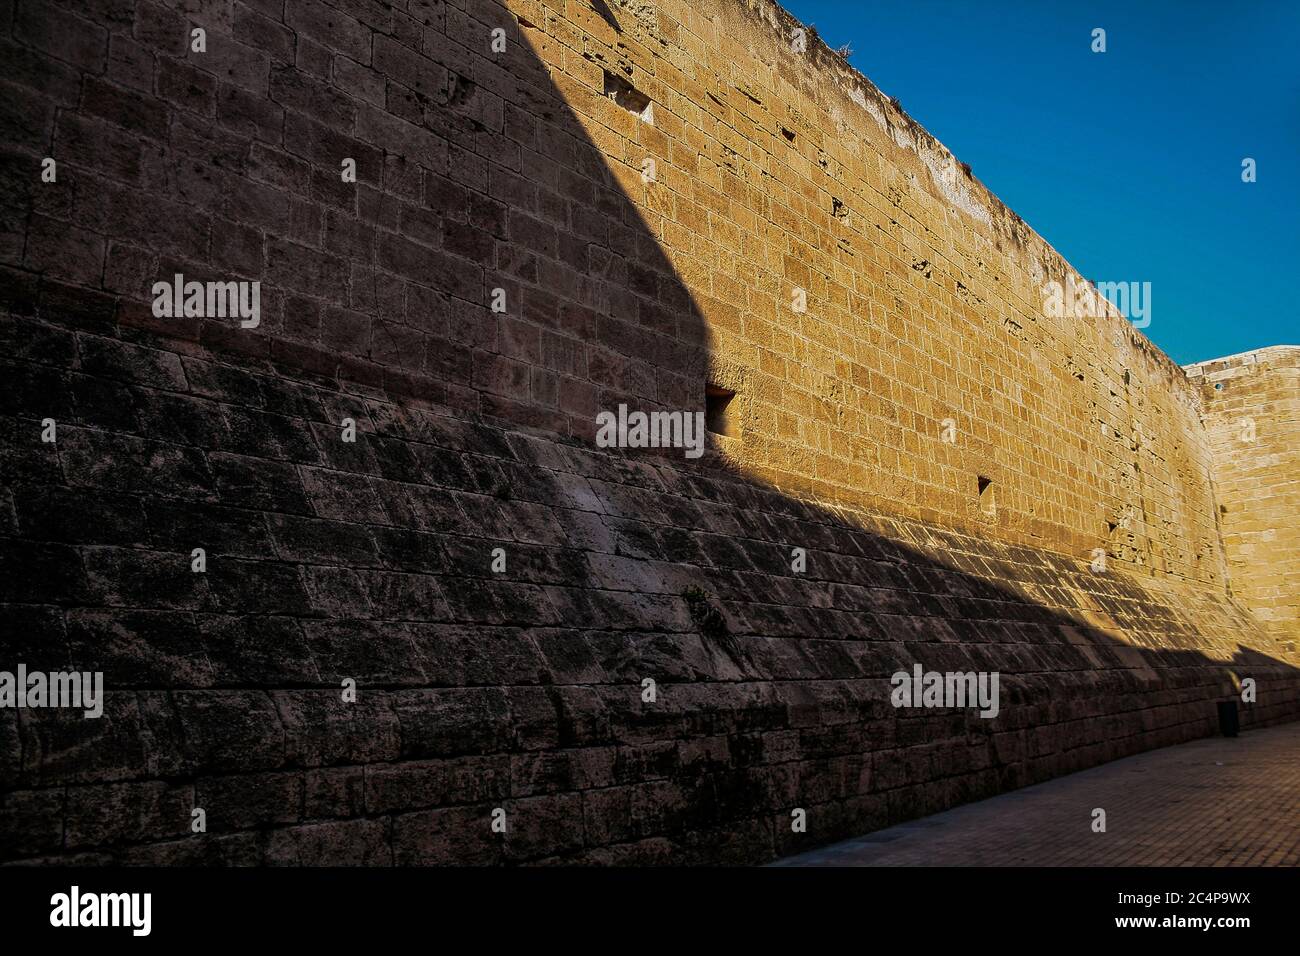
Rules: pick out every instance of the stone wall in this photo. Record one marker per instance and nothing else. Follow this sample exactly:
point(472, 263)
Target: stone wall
point(329, 560)
point(1252, 417)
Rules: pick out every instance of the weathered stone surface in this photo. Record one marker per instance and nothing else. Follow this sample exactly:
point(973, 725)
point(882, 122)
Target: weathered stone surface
point(1252, 411)
point(521, 689)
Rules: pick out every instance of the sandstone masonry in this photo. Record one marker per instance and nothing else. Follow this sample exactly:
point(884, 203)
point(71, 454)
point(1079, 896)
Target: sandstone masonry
point(1251, 412)
point(649, 186)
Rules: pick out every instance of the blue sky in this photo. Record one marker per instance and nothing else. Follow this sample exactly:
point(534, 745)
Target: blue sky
point(1128, 162)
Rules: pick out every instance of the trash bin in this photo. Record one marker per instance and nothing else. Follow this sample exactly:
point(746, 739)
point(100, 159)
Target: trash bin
point(1228, 721)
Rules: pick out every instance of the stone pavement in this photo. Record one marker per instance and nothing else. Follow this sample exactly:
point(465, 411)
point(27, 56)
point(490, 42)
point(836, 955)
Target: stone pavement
point(1212, 802)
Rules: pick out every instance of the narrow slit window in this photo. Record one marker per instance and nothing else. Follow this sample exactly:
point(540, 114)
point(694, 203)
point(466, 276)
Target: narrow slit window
point(717, 400)
point(988, 504)
point(629, 97)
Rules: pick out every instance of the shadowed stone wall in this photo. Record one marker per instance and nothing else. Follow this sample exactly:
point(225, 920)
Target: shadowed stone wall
point(330, 560)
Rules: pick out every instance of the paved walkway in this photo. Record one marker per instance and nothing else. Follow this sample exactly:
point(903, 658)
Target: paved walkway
point(1212, 802)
